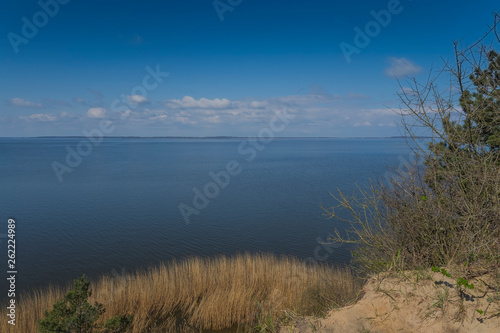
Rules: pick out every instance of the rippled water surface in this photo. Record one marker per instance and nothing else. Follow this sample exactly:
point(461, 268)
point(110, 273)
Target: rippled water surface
point(119, 209)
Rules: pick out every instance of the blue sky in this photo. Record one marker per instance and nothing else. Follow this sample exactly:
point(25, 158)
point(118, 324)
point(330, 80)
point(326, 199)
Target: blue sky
point(231, 64)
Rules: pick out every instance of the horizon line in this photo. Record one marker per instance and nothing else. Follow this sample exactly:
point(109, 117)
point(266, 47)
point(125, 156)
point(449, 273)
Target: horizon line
point(222, 137)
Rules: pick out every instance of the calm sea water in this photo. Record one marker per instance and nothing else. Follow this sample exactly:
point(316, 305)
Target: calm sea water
point(119, 209)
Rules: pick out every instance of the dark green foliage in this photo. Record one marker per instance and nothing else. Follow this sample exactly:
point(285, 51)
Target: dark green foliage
point(74, 313)
point(461, 284)
point(118, 324)
point(482, 105)
point(478, 130)
point(442, 270)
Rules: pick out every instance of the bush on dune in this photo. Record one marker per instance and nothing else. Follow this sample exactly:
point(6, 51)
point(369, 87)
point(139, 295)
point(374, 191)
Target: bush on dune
point(443, 207)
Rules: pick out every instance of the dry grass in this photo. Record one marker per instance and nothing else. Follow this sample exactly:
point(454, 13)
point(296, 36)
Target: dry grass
point(199, 294)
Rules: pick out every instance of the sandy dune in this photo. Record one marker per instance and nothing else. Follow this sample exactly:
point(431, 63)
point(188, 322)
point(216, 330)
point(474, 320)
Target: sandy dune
point(400, 303)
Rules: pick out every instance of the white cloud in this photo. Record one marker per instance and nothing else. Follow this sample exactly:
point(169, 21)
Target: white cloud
point(390, 124)
point(313, 114)
point(213, 120)
point(163, 116)
point(137, 99)
point(125, 114)
point(40, 117)
point(408, 91)
point(96, 113)
point(314, 110)
point(402, 67)
point(24, 103)
point(189, 102)
point(258, 105)
point(381, 112)
point(184, 120)
point(365, 123)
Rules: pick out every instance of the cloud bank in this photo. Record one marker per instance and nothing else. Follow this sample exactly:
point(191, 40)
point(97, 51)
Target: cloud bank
point(401, 67)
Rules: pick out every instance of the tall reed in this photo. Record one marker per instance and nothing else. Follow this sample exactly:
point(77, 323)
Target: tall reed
point(206, 293)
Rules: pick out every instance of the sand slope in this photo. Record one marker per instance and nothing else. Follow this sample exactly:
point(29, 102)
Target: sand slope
point(400, 303)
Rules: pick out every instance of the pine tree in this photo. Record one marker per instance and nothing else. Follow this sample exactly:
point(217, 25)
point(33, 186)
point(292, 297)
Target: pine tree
point(74, 313)
point(475, 134)
point(482, 106)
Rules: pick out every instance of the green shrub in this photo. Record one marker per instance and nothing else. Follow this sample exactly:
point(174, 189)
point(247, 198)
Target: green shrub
point(74, 313)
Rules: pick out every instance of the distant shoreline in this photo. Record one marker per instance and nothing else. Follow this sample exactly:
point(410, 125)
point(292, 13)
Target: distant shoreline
point(212, 137)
